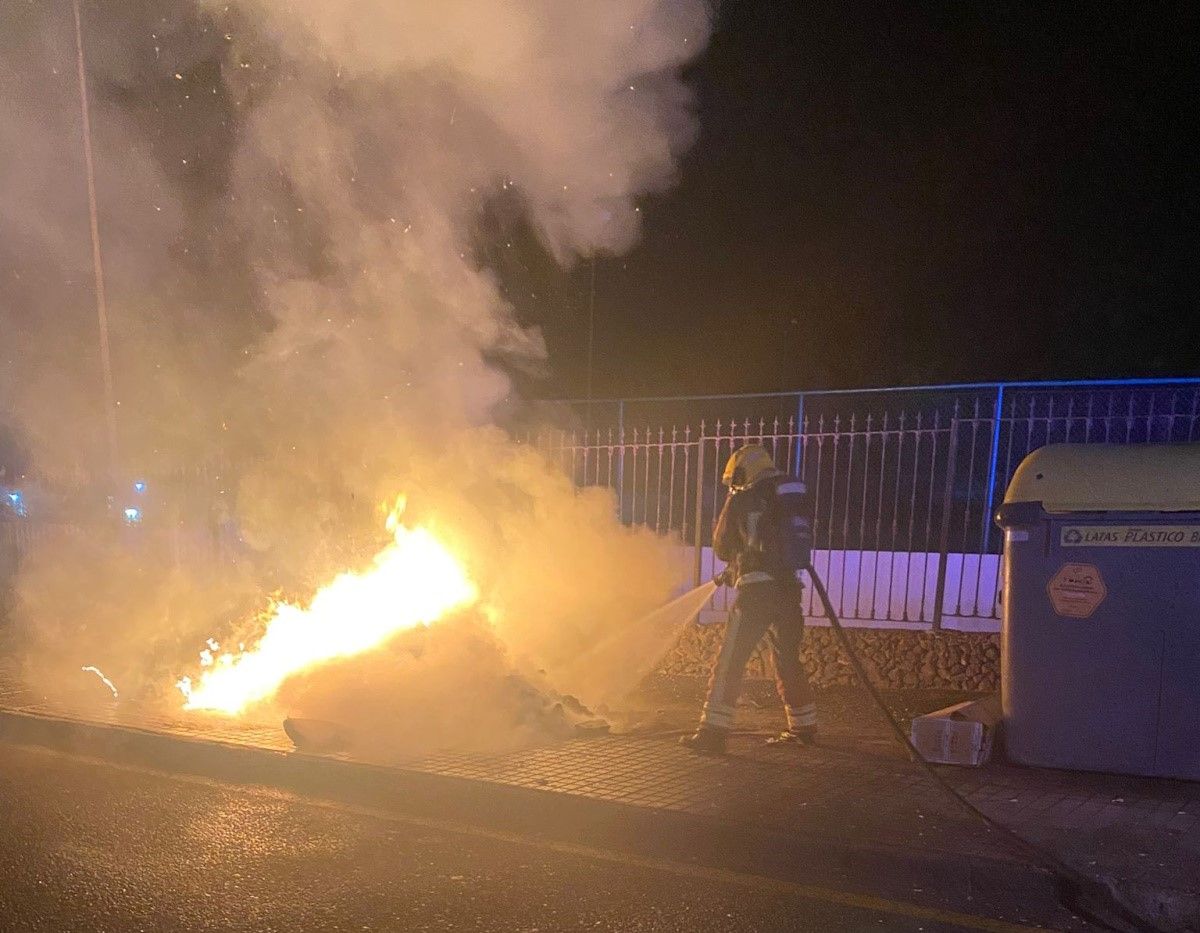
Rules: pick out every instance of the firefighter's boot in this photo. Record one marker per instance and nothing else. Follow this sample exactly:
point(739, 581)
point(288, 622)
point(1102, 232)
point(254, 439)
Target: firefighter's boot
point(708, 740)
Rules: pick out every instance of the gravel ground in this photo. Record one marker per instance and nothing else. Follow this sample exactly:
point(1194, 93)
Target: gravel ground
point(899, 659)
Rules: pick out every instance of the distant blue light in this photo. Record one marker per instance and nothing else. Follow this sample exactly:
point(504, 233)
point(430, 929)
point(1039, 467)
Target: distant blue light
point(17, 501)
point(133, 516)
point(139, 486)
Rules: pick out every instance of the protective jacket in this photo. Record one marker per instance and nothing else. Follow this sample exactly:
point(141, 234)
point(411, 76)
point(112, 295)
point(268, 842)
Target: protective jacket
point(738, 532)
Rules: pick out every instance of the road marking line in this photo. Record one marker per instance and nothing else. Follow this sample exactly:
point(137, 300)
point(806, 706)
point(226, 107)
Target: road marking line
point(760, 883)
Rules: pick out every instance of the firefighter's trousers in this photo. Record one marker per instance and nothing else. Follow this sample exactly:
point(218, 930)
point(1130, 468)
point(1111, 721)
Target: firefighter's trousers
point(771, 609)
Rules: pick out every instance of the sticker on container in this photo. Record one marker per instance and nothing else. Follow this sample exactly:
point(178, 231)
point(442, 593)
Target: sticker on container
point(1130, 536)
point(1077, 590)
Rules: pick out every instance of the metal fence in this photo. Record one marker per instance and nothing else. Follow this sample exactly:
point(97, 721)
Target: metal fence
point(904, 481)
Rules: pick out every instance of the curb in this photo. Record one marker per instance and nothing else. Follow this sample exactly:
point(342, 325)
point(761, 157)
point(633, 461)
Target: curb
point(1170, 910)
point(546, 815)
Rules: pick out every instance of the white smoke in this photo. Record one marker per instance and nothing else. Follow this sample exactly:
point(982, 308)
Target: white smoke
point(291, 194)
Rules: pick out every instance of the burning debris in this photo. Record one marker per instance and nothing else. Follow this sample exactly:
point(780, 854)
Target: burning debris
point(536, 714)
point(451, 685)
point(413, 581)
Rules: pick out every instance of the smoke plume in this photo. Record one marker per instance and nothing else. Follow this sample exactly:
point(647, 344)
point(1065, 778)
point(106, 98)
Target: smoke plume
point(290, 198)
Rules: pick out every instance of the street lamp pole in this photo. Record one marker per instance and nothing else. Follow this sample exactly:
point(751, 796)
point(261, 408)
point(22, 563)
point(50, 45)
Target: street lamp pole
point(110, 404)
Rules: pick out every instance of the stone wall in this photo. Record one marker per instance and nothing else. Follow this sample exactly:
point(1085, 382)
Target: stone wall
point(894, 658)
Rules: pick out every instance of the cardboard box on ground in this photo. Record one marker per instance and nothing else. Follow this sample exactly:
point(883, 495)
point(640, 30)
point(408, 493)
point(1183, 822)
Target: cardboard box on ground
point(962, 734)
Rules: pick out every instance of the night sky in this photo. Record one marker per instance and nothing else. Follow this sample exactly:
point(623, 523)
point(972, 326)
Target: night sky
point(885, 195)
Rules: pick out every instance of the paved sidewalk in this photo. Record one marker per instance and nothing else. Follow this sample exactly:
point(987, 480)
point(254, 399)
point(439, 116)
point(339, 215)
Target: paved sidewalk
point(1122, 828)
point(856, 789)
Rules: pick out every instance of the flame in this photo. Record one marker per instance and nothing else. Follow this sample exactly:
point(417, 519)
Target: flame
point(413, 581)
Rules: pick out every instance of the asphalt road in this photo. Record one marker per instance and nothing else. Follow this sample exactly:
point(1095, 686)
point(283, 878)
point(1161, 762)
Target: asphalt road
point(90, 846)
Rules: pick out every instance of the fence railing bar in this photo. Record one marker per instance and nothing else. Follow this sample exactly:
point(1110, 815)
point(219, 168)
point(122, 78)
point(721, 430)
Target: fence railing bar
point(928, 545)
point(817, 500)
point(883, 439)
point(990, 505)
point(862, 524)
point(912, 509)
point(944, 537)
point(646, 481)
point(658, 484)
point(833, 480)
point(895, 514)
point(845, 541)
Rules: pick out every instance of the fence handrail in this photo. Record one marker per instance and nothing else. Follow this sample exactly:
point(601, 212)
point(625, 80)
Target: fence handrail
point(880, 390)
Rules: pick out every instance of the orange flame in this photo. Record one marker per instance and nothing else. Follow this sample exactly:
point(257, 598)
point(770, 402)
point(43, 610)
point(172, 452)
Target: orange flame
point(413, 581)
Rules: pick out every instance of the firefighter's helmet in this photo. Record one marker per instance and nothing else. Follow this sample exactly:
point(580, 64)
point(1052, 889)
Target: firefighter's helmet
point(747, 466)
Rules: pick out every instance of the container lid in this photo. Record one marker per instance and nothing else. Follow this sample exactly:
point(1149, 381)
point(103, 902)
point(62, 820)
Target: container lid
point(1110, 478)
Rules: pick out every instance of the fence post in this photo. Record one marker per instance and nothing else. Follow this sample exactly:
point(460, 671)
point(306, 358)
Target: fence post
point(939, 597)
point(990, 495)
point(699, 530)
point(621, 462)
point(799, 436)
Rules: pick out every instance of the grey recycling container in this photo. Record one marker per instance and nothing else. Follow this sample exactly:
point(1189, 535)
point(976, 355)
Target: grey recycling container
point(1100, 644)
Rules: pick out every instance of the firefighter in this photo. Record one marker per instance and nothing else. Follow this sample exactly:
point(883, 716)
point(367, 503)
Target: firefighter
point(764, 534)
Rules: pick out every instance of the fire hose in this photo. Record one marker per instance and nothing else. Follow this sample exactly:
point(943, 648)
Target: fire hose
point(1075, 891)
